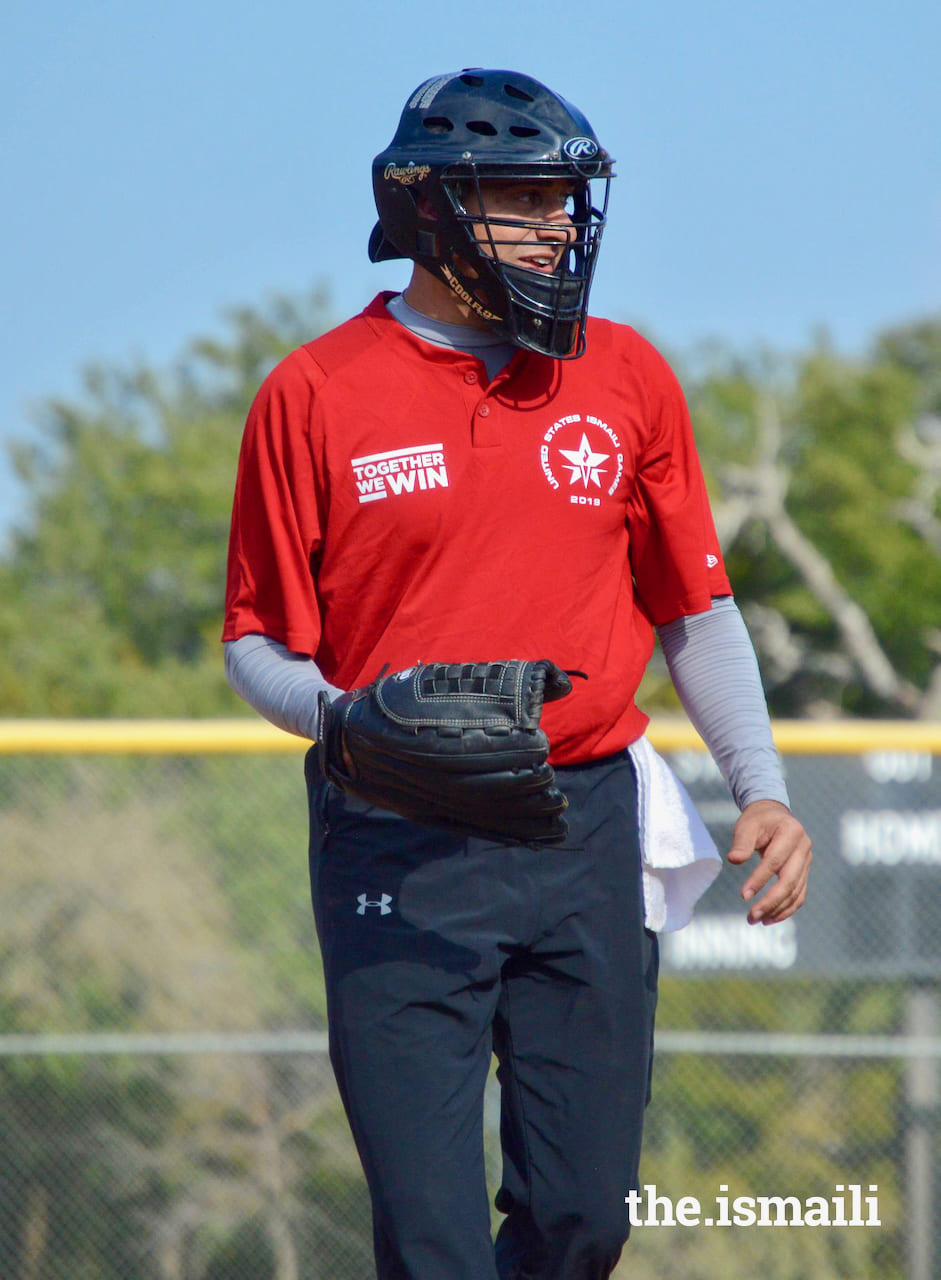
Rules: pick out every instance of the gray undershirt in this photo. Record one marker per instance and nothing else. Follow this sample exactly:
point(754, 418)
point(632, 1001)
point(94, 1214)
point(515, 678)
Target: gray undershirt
point(723, 697)
point(486, 345)
point(712, 664)
point(281, 685)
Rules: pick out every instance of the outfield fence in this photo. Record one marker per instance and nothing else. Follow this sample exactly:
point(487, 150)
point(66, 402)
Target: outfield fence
point(167, 1109)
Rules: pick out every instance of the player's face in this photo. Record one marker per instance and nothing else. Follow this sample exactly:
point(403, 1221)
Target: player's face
point(540, 212)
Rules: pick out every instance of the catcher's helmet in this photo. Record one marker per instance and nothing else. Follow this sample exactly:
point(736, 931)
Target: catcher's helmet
point(469, 127)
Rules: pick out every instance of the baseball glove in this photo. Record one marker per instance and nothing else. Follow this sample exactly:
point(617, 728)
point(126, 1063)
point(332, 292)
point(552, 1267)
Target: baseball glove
point(454, 745)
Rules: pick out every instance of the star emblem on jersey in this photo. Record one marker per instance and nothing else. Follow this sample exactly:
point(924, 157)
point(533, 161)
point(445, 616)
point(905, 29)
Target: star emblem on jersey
point(583, 463)
point(582, 457)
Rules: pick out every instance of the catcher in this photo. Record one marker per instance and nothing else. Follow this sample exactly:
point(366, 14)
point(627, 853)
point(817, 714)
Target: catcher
point(445, 509)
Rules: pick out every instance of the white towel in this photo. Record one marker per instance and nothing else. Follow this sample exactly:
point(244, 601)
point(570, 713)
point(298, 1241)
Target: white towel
point(680, 859)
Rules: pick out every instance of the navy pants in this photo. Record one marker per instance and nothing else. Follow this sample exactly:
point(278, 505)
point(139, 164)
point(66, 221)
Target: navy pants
point(440, 951)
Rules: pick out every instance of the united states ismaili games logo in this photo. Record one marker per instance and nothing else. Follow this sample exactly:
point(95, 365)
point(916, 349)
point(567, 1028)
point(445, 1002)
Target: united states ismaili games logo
point(582, 457)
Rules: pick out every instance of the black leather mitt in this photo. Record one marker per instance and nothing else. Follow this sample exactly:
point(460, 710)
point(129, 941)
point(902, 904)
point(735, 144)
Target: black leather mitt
point(454, 745)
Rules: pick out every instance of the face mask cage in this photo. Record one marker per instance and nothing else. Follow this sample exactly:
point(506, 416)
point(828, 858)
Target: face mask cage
point(541, 310)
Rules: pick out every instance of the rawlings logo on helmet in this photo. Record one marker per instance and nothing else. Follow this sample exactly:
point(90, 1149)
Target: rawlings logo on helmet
point(580, 148)
point(406, 174)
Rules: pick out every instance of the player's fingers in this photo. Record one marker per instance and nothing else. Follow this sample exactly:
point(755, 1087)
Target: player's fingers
point(744, 842)
point(771, 830)
point(789, 893)
point(775, 859)
point(776, 842)
point(791, 873)
point(786, 909)
point(765, 914)
point(786, 854)
point(757, 826)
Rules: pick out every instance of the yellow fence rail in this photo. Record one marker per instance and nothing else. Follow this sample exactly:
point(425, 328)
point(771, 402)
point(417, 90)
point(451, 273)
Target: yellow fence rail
point(241, 736)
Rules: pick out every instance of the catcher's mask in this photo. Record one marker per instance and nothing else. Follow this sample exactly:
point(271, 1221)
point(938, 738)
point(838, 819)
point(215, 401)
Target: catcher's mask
point(466, 129)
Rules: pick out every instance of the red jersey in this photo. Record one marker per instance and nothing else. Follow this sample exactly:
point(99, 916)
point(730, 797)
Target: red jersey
point(393, 507)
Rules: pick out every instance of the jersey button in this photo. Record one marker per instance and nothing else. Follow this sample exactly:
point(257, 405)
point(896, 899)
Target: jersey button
point(470, 378)
point(484, 411)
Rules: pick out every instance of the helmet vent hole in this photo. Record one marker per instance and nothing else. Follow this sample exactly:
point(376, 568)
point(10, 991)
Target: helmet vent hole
point(522, 131)
point(482, 126)
point(473, 82)
point(521, 94)
point(438, 124)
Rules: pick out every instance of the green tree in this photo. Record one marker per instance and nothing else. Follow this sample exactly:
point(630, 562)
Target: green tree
point(118, 917)
point(112, 593)
point(826, 474)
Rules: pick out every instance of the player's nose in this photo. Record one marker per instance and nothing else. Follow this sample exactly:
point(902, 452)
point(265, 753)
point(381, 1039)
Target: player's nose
point(557, 228)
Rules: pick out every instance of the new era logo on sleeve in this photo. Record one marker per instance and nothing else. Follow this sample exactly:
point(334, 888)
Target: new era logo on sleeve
point(381, 904)
point(711, 561)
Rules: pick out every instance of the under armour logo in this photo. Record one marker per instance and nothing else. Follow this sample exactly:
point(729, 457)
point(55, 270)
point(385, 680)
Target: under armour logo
point(382, 903)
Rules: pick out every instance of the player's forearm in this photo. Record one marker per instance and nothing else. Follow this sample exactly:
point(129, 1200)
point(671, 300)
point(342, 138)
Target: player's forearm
point(713, 666)
point(280, 685)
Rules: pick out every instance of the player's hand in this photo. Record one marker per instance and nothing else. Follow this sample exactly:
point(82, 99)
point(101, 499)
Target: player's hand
point(770, 829)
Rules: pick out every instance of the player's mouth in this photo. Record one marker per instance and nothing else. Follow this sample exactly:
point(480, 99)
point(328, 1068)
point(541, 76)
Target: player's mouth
point(545, 263)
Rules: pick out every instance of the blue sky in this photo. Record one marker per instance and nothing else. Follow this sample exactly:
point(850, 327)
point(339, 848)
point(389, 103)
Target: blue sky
point(779, 164)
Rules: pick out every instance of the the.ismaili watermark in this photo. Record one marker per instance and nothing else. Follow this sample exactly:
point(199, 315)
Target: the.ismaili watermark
point(851, 1205)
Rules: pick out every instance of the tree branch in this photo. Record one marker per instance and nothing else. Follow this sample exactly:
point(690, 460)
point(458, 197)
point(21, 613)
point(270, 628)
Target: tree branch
point(759, 492)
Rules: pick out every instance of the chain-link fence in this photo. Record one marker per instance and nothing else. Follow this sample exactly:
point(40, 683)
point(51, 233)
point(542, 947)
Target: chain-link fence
point(167, 1110)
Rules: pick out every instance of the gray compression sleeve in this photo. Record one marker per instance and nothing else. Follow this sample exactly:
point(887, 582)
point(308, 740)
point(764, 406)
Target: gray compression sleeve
point(280, 685)
point(712, 663)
